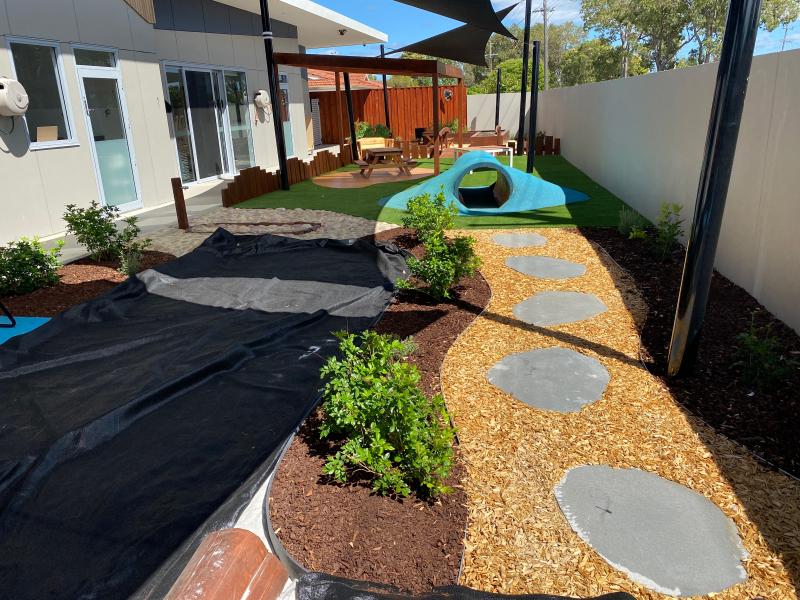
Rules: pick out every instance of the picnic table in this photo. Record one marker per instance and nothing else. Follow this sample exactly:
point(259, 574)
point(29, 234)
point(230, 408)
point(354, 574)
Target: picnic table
point(385, 158)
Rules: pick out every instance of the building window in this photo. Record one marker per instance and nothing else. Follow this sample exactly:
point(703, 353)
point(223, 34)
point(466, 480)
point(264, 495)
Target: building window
point(37, 68)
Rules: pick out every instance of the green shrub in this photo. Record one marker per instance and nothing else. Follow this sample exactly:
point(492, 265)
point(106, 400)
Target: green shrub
point(668, 230)
point(362, 129)
point(446, 261)
point(365, 130)
point(630, 219)
point(95, 229)
point(391, 431)
point(25, 266)
point(759, 358)
point(381, 130)
point(637, 233)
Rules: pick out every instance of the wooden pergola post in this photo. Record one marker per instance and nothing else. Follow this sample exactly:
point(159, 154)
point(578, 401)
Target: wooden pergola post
point(340, 119)
point(436, 140)
point(462, 112)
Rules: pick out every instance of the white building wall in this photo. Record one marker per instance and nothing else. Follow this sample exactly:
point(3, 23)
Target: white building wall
point(38, 184)
point(643, 139)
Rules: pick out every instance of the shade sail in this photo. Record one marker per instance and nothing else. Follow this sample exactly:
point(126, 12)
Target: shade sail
point(466, 44)
point(478, 13)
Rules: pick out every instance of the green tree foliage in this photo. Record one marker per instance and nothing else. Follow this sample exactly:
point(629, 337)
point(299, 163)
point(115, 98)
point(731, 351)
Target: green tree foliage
point(597, 60)
point(510, 78)
point(389, 429)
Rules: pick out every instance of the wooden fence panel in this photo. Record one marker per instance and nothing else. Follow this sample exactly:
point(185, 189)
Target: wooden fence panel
point(409, 108)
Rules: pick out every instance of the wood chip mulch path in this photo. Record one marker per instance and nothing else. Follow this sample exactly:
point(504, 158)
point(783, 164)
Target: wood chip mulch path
point(518, 541)
point(348, 531)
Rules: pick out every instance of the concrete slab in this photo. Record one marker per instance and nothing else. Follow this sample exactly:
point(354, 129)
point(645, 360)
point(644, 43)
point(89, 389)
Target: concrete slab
point(558, 308)
point(664, 536)
point(555, 378)
point(545, 267)
point(519, 240)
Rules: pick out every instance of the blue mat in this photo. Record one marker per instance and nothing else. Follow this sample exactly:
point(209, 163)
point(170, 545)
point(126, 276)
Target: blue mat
point(24, 325)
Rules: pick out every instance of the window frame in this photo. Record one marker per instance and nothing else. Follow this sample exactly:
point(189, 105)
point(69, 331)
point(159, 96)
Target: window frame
point(63, 89)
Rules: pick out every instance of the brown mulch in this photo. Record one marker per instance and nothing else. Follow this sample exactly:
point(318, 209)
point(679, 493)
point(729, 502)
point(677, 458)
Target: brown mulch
point(81, 280)
point(765, 421)
point(348, 531)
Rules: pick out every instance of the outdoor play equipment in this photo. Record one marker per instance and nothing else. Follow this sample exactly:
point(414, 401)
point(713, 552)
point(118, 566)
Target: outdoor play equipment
point(514, 191)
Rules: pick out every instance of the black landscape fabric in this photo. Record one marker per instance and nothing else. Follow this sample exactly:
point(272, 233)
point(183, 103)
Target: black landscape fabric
point(126, 421)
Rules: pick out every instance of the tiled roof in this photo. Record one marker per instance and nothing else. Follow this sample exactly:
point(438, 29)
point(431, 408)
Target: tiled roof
point(322, 81)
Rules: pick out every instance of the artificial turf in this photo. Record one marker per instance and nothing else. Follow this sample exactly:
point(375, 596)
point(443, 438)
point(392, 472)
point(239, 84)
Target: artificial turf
point(601, 210)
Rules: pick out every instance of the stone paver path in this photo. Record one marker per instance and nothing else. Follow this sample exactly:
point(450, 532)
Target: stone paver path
point(558, 308)
point(545, 267)
point(519, 240)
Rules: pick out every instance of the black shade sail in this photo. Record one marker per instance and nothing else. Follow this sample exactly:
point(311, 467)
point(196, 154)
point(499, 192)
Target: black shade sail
point(465, 44)
point(478, 13)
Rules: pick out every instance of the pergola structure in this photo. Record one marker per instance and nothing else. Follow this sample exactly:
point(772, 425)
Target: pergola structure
point(380, 66)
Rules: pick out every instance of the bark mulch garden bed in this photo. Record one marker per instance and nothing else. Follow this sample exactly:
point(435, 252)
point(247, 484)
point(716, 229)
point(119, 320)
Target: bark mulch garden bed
point(765, 421)
point(348, 531)
point(81, 280)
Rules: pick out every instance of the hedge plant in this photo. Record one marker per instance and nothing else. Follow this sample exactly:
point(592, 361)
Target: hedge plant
point(388, 429)
point(26, 266)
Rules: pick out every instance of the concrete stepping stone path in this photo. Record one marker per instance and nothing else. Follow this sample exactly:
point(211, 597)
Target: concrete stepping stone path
point(545, 267)
point(557, 379)
point(558, 308)
point(663, 535)
point(519, 240)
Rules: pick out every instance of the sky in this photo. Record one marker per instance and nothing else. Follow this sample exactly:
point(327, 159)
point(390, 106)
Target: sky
point(405, 24)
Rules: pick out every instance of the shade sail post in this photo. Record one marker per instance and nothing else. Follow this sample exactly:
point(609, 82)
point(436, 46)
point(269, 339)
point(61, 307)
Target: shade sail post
point(723, 132)
point(274, 90)
point(497, 99)
point(436, 140)
point(534, 109)
point(524, 91)
point(385, 93)
point(351, 119)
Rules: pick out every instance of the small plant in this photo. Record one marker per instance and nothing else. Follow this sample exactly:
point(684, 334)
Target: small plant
point(381, 130)
point(446, 261)
point(362, 128)
point(391, 431)
point(668, 231)
point(365, 130)
point(629, 220)
point(760, 360)
point(26, 266)
point(637, 233)
point(96, 229)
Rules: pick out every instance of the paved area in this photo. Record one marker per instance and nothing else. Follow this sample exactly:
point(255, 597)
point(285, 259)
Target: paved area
point(558, 308)
point(545, 267)
point(663, 535)
point(555, 378)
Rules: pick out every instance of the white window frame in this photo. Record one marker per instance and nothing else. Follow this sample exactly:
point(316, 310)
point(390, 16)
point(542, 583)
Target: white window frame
point(61, 81)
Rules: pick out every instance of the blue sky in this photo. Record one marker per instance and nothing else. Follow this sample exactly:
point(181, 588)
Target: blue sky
point(405, 24)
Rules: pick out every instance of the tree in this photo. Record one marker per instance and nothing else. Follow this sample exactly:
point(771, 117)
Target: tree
point(664, 25)
point(615, 21)
point(596, 60)
point(510, 79)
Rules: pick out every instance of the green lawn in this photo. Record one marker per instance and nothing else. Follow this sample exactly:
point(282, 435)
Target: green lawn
point(601, 210)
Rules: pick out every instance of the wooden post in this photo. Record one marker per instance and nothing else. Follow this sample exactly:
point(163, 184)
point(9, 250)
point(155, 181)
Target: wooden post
point(180, 203)
point(462, 118)
point(436, 141)
point(351, 119)
point(339, 113)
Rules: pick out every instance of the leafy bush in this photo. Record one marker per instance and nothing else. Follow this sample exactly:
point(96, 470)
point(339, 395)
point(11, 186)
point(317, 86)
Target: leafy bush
point(446, 261)
point(637, 233)
point(391, 430)
point(630, 219)
point(96, 229)
point(760, 360)
point(362, 129)
point(381, 130)
point(25, 266)
point(668, 231)
point(365, 130)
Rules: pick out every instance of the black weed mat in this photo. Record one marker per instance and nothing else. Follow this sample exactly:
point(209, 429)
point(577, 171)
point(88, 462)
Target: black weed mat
point(126, 421)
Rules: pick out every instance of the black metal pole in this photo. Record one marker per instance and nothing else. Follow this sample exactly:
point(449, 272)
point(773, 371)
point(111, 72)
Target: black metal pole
point(497, 99)
point(272, 78)
point(385, 94)
point(534, 109)
point(349, 94)
point(524, 92)
point(723, 131)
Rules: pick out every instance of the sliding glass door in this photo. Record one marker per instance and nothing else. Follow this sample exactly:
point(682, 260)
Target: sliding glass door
point(211, 121)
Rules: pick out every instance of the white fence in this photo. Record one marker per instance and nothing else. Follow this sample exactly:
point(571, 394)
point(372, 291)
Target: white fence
point(643, 139)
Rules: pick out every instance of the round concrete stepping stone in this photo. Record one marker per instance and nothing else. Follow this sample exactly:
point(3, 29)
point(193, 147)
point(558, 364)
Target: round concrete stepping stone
point(519, 240)
point(555, 378)
point(558, 308)
point(545, 267)
point(664, 536)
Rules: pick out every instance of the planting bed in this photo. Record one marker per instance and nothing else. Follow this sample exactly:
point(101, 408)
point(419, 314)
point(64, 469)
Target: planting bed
point(81, 280)
point(766, 421)
point(348, 531)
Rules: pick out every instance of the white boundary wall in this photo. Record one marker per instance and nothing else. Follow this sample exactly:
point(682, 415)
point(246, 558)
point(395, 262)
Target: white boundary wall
point(643, 139)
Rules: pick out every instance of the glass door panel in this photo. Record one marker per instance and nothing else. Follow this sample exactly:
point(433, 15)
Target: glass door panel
point(239, 120)
point(203, 111)
point(109, 134)
point(180, 124)
point(285, 117)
